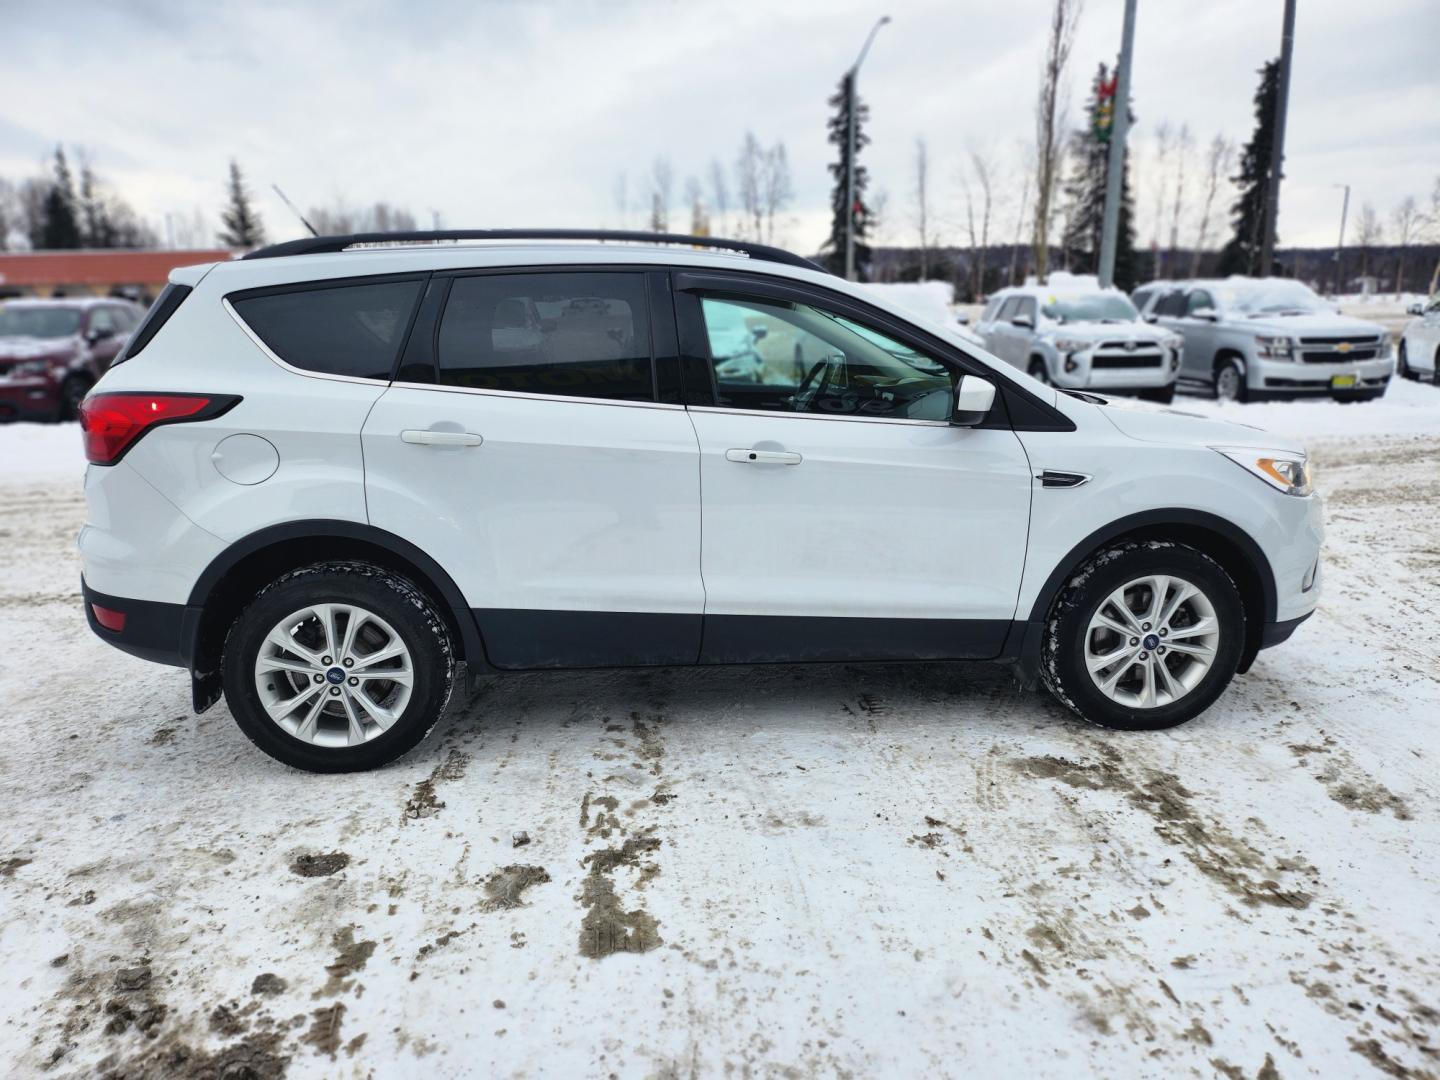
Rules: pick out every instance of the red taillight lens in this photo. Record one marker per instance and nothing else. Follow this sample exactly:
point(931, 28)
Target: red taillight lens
point(109, 618)
point(112, 423)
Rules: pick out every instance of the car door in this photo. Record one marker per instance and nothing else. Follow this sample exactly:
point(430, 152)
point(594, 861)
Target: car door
point(844, 517)
point(1425, 352)
point(524, 448)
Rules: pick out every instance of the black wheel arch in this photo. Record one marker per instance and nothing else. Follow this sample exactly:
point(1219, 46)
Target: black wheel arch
point(246, 566)
point(1225, 542)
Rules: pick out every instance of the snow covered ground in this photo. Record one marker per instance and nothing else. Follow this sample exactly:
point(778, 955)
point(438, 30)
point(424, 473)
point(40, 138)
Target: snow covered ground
point(836, 870)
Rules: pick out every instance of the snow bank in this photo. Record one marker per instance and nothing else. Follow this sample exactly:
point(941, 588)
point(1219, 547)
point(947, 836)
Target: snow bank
point(30, 452)
point(1407, 409)
point(929, 299)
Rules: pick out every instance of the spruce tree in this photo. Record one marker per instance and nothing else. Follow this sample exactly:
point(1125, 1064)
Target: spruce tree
point(97, 230)
point(243, 228)
point(1242, 254)
point(840, 136)
point(1086, 191)
point(61, 230)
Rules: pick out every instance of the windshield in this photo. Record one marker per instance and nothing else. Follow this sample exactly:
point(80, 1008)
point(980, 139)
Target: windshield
point(1090, 307)
point(1271, 298)
point(39, 322)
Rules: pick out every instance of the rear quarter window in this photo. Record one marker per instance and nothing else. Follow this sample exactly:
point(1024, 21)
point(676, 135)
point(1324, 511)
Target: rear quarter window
point(353, 329)
point(170, 298)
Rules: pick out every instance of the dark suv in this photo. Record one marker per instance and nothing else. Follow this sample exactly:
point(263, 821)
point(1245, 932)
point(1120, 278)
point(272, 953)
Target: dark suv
point(53, 351)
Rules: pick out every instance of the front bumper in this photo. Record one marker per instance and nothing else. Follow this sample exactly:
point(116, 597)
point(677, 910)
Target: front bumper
point(1291, 378)
point(1117, 371)
point(28, 398)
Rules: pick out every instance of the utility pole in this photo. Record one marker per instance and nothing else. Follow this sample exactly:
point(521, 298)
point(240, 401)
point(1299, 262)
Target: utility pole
point(852, 100)
point(1340, 244)
point(1115, 166)
point(1277, 149)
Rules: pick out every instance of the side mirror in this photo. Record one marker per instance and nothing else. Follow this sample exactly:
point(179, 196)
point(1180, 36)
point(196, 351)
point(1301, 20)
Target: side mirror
point(1024, 321)
point(962, 318)
point(1149, 316)
point(1415, 309)
point(973, 398)
point(759, 332)
point(1209, 314)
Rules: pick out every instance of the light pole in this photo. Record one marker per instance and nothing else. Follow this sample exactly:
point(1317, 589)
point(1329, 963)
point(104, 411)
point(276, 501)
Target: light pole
point(1277, 147)
point(1115, 167)
point(852, 98)
point(1340, 244)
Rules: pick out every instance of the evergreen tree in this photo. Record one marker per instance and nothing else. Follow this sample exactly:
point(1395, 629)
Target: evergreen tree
point(1086, 191)
point(60, 228)
point(840, 136)
point(243, 228)
point(96, 228)
point(1242, 254)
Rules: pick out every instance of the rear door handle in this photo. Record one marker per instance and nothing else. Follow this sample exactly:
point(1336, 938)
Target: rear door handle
point(440, 438)
point(763, 457)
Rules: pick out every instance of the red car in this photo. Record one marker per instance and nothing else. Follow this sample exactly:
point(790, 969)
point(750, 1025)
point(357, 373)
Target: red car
point(53, 351)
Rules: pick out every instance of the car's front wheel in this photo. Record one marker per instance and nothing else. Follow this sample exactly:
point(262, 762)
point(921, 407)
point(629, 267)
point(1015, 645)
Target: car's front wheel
point(1039, 371)
point(1146, 635)
point(338, 667)
point(1402, 362)
point(1229, 381)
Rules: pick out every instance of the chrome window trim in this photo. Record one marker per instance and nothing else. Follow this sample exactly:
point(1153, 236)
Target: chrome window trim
point(819, 416)
point(275, 358)
point(525, 395)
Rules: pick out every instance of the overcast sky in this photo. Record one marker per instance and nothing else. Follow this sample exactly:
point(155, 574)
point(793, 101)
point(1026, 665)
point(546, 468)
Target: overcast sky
point(509, 113)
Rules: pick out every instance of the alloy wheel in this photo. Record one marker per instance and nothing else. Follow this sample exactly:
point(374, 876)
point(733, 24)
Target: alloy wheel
point(1152, 641)
point(334, 675)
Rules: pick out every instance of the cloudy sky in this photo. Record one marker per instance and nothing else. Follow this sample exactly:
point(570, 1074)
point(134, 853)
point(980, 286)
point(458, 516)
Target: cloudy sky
point(525, 113)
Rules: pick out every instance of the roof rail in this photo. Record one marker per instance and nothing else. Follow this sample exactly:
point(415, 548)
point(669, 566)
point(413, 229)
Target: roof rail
point(318, 245)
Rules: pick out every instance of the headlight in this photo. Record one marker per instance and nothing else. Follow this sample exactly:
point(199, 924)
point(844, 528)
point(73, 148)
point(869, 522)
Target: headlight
point(1287, 472)
point(1068, 345)
point(1385, 348)
point(1275, 348)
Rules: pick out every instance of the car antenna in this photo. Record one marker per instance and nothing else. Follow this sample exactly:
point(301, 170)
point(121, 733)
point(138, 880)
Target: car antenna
point(297, 213)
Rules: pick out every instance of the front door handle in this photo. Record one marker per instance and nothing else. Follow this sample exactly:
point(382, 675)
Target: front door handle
point(440, 438)
point(763, 457)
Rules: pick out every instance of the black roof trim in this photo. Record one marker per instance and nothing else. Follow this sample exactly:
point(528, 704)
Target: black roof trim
point(318, 245)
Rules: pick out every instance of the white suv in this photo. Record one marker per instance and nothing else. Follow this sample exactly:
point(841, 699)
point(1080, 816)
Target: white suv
point(1081, 338)
point(324, 475)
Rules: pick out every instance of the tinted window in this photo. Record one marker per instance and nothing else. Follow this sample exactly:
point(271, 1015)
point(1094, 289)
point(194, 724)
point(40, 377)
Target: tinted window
point(103, 323)
point(778, 356)
point(577, 335)
point(353, 330)
point(1171, 304)
point(1026, 306)
point(165, 304)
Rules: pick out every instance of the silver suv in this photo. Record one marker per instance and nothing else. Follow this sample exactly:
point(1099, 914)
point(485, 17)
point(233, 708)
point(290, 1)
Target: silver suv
point(1250, 339)
point(1076, 336)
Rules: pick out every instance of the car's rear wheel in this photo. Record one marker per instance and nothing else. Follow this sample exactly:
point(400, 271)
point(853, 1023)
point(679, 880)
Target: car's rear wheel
point(338, 667)
point(1229, 381)
point(1146, 635)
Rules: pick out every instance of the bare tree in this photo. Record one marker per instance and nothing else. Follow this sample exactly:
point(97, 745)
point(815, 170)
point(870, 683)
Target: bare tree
point(695, 200)
point(9, 212)
point(922, 205)
point(877, 223)
point(982, 171)
point(1050, 108)
point(662, 180)
point(343, 218)
point(1368, 233)
point(1026, 182)
point(622, 199)
point(719, 196)
point(1431, 232)
point(776, 190)
point(1163, 139)
point(1219, 160)
point(1405, 220)
point(1184, 146)
point(749, 167)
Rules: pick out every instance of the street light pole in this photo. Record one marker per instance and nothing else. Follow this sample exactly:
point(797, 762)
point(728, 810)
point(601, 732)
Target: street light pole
point(1340, 244)
point(852, 98)
point(1277, 149)
point(1115, 166)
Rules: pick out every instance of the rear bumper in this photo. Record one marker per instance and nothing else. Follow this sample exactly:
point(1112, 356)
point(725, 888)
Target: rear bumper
point(154, 631)
point(1277, 633)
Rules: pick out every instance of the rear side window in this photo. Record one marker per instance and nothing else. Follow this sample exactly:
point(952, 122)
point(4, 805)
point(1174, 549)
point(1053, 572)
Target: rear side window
point(569, 334)
point(170, 298)
point(355, 329)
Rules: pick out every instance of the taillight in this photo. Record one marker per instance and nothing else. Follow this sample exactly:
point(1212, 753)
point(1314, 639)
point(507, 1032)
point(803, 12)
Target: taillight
point(112, 423)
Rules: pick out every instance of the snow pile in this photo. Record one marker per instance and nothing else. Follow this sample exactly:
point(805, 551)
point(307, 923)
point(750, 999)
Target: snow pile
point(929, 300)
point(1407, 409)
point(31, 452)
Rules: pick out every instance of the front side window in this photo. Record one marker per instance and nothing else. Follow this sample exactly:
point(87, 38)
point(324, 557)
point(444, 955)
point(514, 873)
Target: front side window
point(353, 330)
point(1198, 301)
point(1007, 309)
point(991, 309)
point(785, 357)
point(1026, 308)
point(102, 323)
point(568, 334)
point(1171, 305)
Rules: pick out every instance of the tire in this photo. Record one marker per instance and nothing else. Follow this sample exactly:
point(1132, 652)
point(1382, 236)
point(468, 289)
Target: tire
point(72, 392)
point(1402, 363)
point(1038, 371)
point(1435, 368)
point(1072, 633)
point(393, 613)
point(1230, 381)
point(1164, 397)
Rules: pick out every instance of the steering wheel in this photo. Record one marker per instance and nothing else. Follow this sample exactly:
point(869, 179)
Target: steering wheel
point(803, 400)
